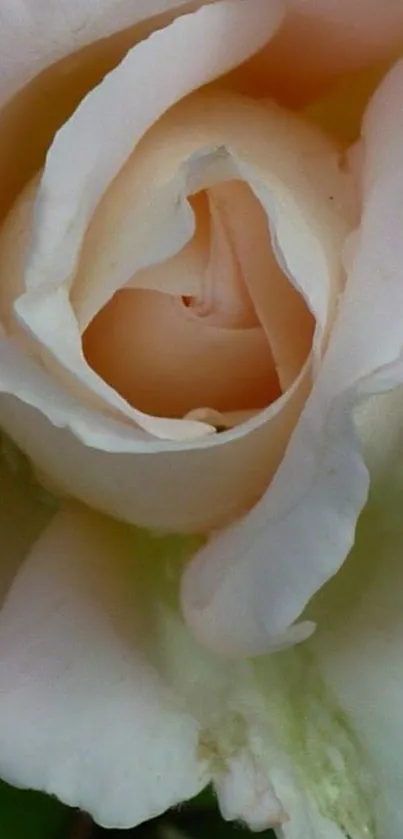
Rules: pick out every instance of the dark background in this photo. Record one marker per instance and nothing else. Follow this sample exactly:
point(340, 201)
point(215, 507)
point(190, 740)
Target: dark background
point(31, 815)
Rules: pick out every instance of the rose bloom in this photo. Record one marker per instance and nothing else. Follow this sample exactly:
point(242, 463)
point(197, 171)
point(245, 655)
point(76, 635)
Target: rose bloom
point(201, 305)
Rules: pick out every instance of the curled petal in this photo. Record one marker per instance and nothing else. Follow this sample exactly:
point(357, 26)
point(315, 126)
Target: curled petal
point(322, 41)
point(112, 120)
point(158, 484)
point(252, 581)
point(166, 362)
point(37, 34)
point(117, 467)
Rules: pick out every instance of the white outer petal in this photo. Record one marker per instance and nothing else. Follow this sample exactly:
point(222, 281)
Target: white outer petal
point(86, 713)
point(36, 33)
point(106, 701)
point(359, 649)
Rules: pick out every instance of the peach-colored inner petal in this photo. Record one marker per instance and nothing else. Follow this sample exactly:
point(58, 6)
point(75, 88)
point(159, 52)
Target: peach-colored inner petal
point(167, 363)
point(214, 320)
point(170, 355)
point(320, 43)
point(268, 295)
point(224, 287)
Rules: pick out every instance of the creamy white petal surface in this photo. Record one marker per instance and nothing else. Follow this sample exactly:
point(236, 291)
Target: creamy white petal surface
point(114, 707)
point(323, 772)
point(95, 719)
point(35, 35)
point(107, 702)
point(254, 580)
point(357, 650)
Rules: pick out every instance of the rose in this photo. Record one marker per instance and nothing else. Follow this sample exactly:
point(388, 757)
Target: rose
point(56, 291)
point(310, 510)
point(231, 471)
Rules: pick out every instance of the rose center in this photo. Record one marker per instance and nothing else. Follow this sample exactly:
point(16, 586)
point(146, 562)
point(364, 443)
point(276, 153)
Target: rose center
point(172, 354)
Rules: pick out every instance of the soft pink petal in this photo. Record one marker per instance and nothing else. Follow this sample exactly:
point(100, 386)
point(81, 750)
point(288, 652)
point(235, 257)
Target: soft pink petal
point(278, 305)
point(253, 581)
point(224, 298)
point(321, 41)
point(210, 138)
point(167, 362)
point(299, 186)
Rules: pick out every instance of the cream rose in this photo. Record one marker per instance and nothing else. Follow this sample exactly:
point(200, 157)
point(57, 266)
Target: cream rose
point(200, 304)
point(133, 274)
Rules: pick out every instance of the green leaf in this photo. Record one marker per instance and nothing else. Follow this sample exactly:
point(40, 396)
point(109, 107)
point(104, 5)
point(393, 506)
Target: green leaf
point(32, 815)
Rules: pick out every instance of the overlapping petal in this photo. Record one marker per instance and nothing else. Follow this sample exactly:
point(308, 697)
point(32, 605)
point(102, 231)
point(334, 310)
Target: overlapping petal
point(100, 682)
point(105, 465)
point(108, 703)
point(35, 35)
point(252, 581)
point(95, 143)
point(357, 650)
point(232, 470)
point(322, 41)
point(80, 693)
point(105, 699)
